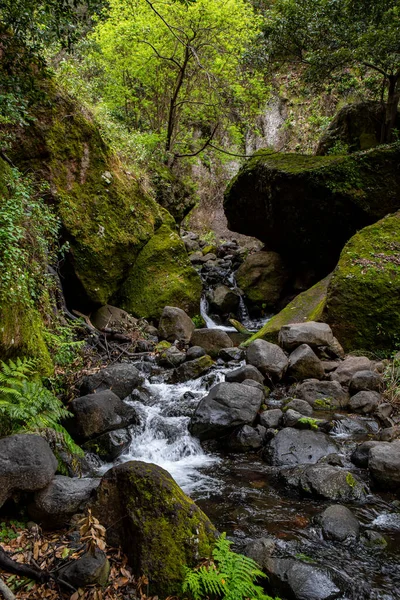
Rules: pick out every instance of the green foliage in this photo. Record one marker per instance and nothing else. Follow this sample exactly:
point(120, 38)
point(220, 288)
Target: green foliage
point(63, 344)
point(228, 576)
point(8, 530)
point(198, 321)
point(391, 377)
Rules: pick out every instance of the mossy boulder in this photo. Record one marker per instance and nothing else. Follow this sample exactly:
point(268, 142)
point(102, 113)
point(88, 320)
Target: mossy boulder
point(307, 207)
point(174, 192)
point(307, 306)
point(363, 301)
point(158, 527)
point(161, 276)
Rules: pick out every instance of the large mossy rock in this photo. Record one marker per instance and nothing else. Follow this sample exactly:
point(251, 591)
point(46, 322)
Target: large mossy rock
point(307, 207)
point(363, 301)
point(156, 524)
point(162, 276)
point(177, 194)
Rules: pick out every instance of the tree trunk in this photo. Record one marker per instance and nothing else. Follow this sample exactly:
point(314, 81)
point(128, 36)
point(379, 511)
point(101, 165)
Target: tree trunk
point(391, 107)
point(173, 101)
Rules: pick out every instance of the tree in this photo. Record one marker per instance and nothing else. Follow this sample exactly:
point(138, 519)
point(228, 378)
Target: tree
point(330, 36)
point(176, 68)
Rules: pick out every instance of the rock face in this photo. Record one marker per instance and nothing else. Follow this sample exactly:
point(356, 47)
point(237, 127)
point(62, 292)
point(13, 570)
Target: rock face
point(262, 277)
point(140, 501)
point(228, 405)
point(365, 288)
point(267, 358)
point(291, 447)
point(175, 325)
point(26, 464)
point(278, 198)
point(212, 340)
point(384, 464)
point(161, 276)
point(122, 379)
point(305, 364)
point(339, 523)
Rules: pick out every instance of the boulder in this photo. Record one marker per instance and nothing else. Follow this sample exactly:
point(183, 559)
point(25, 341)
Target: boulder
point(227, 405)
point(61, 499)
point(350, 366)
point(95, 414)
point(171, 357)
point(389, 433)
point(338, 523)
point(140, 501)
point(192, 369)
point(223, 300)
point(365, 381)
point(175, 324)
point(301, 406)
point(228, 354)
point(26, 464)
point(112, 317)
point(364, 402)
point(326, 481)
point(278, 198)
point(291, 417)
point(311, 333)
point(305, 364)
point(267, 358)
point(121, 378)
point(245, 372)
point(161, 276)
point(271, 418)
point(195, 352)
point(363, 301)
point(384, 464)
point(109, 445)
point(88, 569)
point(262, 277)
point(212, 340)
point(291, 447)
point(260, 550)
point(255, 384)
point(322, 395)
point(247, 438)
point(360, 455)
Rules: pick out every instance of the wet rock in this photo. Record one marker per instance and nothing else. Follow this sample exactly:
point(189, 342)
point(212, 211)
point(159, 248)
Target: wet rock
point(268, 358)
point(121, 378)
point(228, 354)
point(212, 340)
point(228, 405)
point(389, 434)
point(61, 499)
point(302, 581)
point(192, 369)
point(175, 324)
point(305, 364)
point(87, 570)
point(223, 300)
point(291, 417)
point(348, 368)
point(291, 447)
point(384, 464)
point(247, 438)
point(365, 381)
point(110, 445)
point(195, 352)
point(271, 418)
point(141, 501)
point(360, 455)
point(338, 523)
point(326, 481)
point(95, 414)
point(245, 372)
point(374, 539)
point(311, 333)
point(26, 463)
point(301, 406)
point(172, 357)
point(260, 550)
point(322, 395)
point(364, 402)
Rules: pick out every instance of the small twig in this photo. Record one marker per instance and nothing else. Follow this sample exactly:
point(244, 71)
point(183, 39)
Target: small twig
point(5, 590)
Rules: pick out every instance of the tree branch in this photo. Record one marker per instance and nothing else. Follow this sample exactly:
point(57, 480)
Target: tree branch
point(207, 143)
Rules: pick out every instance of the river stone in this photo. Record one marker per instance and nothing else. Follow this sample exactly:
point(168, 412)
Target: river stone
point(228, 354)
point(292, 447)
point(389, 433)
point(383, 412)
point(268, 358)
point(227, 405)
point(109, 445)
point(223, 300)
point(175, 324)
point(311, 333)
point(158, 527)
point(305, 364)
point(291, 417)
point(247, 438)
point(192, 369)
point(326, 481)
point(322, 395)
point(301, 406)
point(364, 402)
point(26, 463)
point(195, 352)
point(260, 550)
point(365, 381)
point(301, 581)
point(360, 455)
point(88, 569)
point(172, 357)
point(255, 384)
point(349, 367)
point(121, 378)
point(95, 414)
point(384, 464)
point(212, 340)
point(271, 418)
point(338, 523)
point(61, 499)
point(245, 372)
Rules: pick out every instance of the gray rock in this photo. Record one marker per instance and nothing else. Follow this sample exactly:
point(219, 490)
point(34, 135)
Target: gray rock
point(223, 300)
point(247, 438)
point(291, 417)
point(302, 581)
point(109, 445)
point(365, 381)
point(228, 354)
point(26, 463)
point(245, 372)
point(389, 434)
point(192, 369)
point(271, 418)
point(86, 570)
point(383, 412)
point(349, 367)
point(326, 481)
point(172, 357)
point(374, 539)
point(339, 523)
point(212, 340)
point(311, 333)
point(322, 395)
point(260, 550)
point(305, 364)
point(360, 455)
point(95, 414)
point(121, 378)
point(61, 499)
point(195, 352)
point(255, 384)
point(196, 257)
point(384, 464)
point(291, 447)
point(175, 324)
point(330, 366)
point(112, 317)
point(301, 406)
point(364, 402)
point(268, 358)
point(228, 405)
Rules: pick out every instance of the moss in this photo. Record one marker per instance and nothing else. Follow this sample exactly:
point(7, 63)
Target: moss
point(162, 346)
point(162, 276)
point(209, 249)
point(174, 192)
point(290, 163)
point(363, 301)
point(351, 482)
point(307, 306)
point(311, 423)
point(323, 404)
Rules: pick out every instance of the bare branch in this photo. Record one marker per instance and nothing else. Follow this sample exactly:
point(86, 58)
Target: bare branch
point(207, 143)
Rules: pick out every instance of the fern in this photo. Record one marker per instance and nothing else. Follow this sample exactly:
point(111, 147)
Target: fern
point(227, 576)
